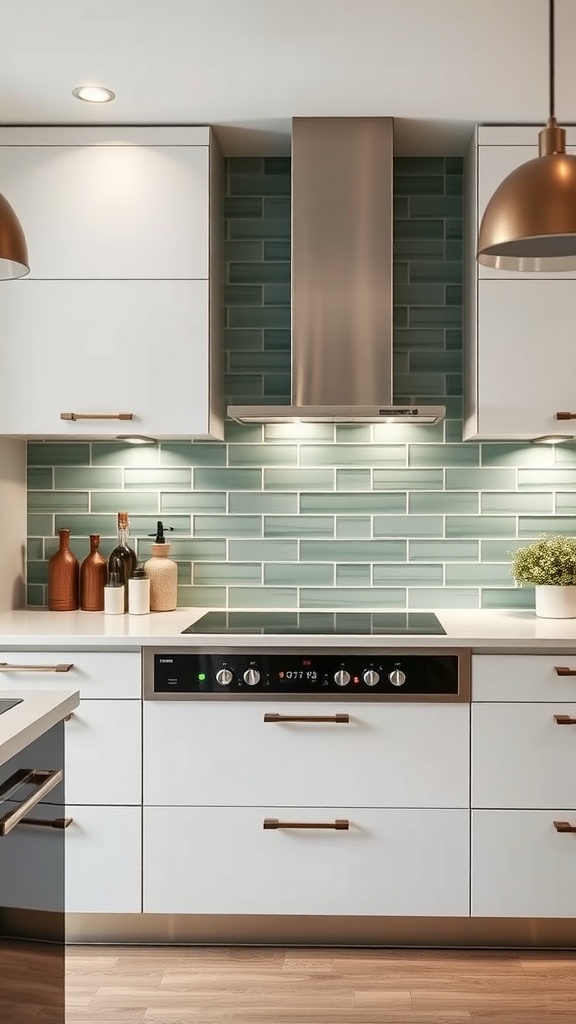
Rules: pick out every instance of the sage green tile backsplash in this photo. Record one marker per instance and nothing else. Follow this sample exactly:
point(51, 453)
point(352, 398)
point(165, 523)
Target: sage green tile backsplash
point(317, 516)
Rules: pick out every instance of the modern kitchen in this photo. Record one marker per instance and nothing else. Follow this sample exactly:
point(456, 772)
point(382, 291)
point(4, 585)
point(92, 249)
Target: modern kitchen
point(287, 512)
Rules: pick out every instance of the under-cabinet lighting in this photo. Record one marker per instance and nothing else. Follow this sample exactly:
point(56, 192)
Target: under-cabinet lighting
point(135, 439)
point(551, 439)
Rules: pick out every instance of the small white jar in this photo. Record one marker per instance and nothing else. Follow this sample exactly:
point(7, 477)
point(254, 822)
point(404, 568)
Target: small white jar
point(139, 592)
point(114, 596)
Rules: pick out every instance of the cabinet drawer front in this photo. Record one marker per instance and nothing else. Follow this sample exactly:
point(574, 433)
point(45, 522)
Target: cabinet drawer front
point(104, 860)
point(521, 866)
point(402, 756)
point(97, 728)
point(521, 757)
point(222, 861)
point(95, 675)
point(523, 677)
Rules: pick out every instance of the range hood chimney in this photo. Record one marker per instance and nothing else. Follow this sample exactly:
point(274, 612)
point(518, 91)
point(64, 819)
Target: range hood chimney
point(341, 278)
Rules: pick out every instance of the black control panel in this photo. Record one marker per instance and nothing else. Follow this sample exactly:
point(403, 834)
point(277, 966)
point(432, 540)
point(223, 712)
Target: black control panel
point(367, 674)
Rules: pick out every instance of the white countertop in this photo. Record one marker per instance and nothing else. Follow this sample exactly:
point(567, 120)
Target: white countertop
point(480, 630)
point(37, 713)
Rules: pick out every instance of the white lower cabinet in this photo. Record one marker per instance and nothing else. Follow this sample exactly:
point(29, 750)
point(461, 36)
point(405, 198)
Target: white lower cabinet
point(104, 860)
point(521, 866)
point(212, 860)
point(104, 753)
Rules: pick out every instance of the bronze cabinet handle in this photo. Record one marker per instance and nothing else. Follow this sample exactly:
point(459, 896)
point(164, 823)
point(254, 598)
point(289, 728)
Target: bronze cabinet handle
point(563, 670)
point(44, 781)
point(96, 416)
point(340, 825)
point(50, 823)
point(272, 716)
point(5, 667)
point(564, 720)
point(564, 826)
point(566, 415)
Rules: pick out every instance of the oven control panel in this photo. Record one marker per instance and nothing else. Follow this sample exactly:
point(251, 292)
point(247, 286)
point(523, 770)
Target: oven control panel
point(390, 674)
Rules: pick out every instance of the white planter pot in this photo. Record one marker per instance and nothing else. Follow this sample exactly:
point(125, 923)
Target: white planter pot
point(556, 602)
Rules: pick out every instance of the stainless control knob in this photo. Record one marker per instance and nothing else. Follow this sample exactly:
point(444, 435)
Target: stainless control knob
point(251, 676)
point(342, 677)
point(397, 677)
point(371, 677)
point(224, 676)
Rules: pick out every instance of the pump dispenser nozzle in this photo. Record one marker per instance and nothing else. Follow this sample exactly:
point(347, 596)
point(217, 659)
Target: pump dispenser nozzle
point(160, 538)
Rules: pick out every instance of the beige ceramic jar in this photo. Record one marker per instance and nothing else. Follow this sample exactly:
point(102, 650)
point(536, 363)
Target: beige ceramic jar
point(163, 574)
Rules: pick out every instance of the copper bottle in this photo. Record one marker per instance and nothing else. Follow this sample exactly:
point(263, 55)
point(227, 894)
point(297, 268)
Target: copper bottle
point(63, 577)
point(93, 573)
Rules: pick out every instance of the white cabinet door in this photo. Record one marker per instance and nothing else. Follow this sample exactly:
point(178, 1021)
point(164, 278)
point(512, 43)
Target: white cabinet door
point(92, 347)
point(521, 757)
point(110, 211)
point(222, 861)
point(526, 357)
point(406, 755)
point(93, 776)
point(95, 674)
point(521, 866)
point(104, 860)
point(524, 677)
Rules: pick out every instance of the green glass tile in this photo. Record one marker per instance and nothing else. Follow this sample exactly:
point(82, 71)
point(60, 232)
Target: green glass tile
point(508, 598)
point(453, 430)
point(357, 455)
point(418, 165)
point(35, 547)
point(493, 502)
point(453, 597)
point(418, 185)
point(299, 480)
point(242, 295)
point(350, 433)
point(277, 164)
point(535, 526)
point(480, 479)
point(259, 316)
point(454, 384)
point(436, 206)
point(354, 479)
point(277, 249)
point(480, 526)
point(196, 549)
point(144, 525)
point(351, 576)
point(192, 501)
point(409, 432)
point(243, 206)
point(443, 455)
point(241, 252)
point(227, 479)
point(279, 385)
point(399, 317)
point(40, 525)
point(174, 479)
point(426, 384)
point(262, 501)
point(408, 479)
point(185, 453)
point(401, 363)
point(477, 575)
point(565, 504)
point(244, 165)
point(298, 574)
point(408, 575)
point(441, 271)
point(263, 455)
point(242, 388)
point(264, 551)
point(249, 340)
point(454, 164)
point(58, 453)
point(400, 204)
point(424, 316)
point(299, 432)
point(118, 453)
point(347, 502)
point(454, 295)
point(351, 550)
point(209, 573)
point(259, 273)
point(277, 340)
point(58, 501)
point(419, 294)
point(244, 228)
point(130, 501)
point(428, 502)
point(454, 228)
point(298, 526)
point(278, 207)
point(247, 433)
point(435, 361)
point(352, 597)
point(259, 184)
point(41, 478)
point(184, 572)
point(90, 478)
point(227, 526)
point(201, 597)
point(83, 526)
point(408, 526)
point(443, 550)
point(35, 596)
point(547, 479)
point(414, 247)
point(263, 597)
point(353, 527)
point(499, 550)
point(405, 338)
point(454, 340)
point(517, 453)
point(562, 454)
point(420, 230)
point(400, 272)
point(453, 249)
point(36, 572)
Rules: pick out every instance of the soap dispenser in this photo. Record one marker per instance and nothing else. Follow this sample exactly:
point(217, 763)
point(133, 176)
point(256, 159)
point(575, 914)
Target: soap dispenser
point(163, 574)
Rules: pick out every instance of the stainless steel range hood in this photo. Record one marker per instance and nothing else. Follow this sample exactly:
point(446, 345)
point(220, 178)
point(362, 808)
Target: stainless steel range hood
point(341, 278)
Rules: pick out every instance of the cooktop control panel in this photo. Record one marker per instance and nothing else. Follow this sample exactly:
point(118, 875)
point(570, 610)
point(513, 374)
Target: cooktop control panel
point(367, 675)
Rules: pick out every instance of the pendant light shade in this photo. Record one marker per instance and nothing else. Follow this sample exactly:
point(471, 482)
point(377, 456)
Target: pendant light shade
point(530, 221)
point(13, 248)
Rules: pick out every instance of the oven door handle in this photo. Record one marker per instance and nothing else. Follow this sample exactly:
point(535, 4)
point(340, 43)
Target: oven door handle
point(43, 781)
point(272, 716)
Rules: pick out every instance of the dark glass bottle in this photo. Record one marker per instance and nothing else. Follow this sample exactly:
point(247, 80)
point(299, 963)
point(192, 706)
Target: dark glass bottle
point(123, 559)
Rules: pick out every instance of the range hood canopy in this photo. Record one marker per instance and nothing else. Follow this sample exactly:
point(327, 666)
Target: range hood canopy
point(341, 278)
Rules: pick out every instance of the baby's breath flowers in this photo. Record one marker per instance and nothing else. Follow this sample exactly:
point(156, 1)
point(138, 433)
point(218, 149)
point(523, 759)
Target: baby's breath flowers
point(548, 562)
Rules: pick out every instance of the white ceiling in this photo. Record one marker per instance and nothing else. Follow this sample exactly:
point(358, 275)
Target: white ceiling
point(248, 66)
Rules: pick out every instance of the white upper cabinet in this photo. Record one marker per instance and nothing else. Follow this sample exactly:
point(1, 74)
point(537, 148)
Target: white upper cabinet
point(121, 310)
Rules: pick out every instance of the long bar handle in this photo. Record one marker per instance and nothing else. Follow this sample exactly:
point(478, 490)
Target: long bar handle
point(272, 716)
point(563, 670)
point(96, 416)
point(564, 720)
point(566, 415)
point(5, 667)
point(50, 823)
point(340, 825)
point(44, 781)
point(564, 826)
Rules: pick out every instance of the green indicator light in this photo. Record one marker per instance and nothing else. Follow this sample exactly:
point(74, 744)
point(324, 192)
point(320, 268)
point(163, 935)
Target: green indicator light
point(201, 676)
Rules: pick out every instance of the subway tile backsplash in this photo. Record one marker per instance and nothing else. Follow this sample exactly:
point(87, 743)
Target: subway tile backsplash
point(314, 515)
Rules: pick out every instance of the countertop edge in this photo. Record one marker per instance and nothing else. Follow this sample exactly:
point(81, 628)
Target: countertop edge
point(38, 712)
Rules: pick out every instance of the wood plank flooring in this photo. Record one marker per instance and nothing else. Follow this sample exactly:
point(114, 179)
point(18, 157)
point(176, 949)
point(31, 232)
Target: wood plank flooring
point(243, 985)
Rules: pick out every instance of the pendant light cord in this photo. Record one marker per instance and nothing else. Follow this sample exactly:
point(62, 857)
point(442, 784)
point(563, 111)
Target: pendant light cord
point(551, 58)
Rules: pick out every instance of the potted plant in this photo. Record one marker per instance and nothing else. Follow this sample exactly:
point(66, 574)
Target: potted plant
point(549, 565)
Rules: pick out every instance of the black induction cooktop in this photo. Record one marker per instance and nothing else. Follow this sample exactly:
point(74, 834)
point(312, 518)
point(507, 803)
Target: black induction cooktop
point(310, 623)
point(5, 705)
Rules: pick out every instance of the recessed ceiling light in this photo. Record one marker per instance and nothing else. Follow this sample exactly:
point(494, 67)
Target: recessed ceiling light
point(94, 94)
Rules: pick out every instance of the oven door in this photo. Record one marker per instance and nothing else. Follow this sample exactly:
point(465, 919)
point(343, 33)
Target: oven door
point(32, 826)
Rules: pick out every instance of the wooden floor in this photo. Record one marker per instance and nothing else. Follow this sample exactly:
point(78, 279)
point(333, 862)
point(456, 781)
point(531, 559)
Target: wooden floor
point(216, 985)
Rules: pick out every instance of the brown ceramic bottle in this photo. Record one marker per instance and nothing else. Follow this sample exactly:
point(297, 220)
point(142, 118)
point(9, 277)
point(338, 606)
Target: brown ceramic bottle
point(93, 573)
point(63, 577)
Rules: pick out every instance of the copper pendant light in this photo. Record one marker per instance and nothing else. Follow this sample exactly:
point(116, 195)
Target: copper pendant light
point(530, 221)
point(13, 248)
